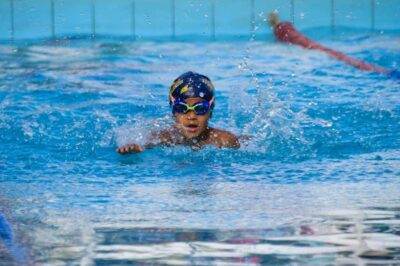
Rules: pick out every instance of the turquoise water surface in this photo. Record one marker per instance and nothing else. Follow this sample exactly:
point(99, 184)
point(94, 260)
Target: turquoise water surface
point(317, 183)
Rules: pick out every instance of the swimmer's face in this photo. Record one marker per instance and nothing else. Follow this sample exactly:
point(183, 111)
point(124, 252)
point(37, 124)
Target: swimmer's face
point(191, 125)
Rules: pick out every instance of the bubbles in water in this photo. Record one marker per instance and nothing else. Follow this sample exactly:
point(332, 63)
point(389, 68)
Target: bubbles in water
point(27, 129)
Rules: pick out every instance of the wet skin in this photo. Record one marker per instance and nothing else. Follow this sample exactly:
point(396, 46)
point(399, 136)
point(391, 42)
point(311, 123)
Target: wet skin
point(191, 130)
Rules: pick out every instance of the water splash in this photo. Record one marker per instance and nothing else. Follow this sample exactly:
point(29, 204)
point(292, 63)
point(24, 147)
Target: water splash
point(139, 129)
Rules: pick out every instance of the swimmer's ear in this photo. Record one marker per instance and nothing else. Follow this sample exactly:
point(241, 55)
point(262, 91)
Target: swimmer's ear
point(171, 100)
point(212, 105)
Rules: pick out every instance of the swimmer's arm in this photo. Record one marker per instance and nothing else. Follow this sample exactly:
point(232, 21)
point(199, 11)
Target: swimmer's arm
point(233, 142)
point(226, 139)
point(156, 139)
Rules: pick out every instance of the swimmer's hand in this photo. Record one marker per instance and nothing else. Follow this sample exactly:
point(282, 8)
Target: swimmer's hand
point(130, 148)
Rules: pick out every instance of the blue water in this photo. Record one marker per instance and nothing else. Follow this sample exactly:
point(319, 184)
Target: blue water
point(317, 183)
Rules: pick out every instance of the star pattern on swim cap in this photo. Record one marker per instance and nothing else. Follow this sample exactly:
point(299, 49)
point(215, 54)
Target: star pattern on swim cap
point(184, 89)
point(175, 85)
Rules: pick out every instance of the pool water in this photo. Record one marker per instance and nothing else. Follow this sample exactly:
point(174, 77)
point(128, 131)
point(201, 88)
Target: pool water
point(317, 183)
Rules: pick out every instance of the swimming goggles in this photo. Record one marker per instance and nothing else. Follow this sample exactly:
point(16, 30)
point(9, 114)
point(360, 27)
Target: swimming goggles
point(200, 108)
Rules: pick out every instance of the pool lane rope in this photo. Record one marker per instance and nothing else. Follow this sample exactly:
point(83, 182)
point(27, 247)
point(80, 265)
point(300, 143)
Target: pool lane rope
point(285, 32)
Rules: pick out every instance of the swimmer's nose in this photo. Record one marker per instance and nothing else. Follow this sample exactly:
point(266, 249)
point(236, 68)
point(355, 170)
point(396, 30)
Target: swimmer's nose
point(191, 115)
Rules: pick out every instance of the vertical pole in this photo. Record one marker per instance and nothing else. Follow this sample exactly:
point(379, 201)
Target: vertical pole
point(372, 15)
point(133, 20)
point(52, 18)
point(292, 11)
point(93, 10)
point(213, 20)
point(12, 20)
point(253, 20)
point(173, 18)
point(333, 12)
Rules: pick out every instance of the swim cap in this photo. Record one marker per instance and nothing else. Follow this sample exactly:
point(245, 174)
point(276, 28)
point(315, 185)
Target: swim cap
point(191, 85)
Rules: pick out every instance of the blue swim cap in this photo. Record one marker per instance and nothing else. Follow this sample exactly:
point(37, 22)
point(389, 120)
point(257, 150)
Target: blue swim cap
point(191, 85)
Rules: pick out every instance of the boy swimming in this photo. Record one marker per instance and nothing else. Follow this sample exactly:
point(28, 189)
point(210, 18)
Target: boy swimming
point(192, 98)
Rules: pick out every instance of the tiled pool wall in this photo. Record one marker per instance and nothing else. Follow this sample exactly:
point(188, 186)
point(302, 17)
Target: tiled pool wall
point(182, 19)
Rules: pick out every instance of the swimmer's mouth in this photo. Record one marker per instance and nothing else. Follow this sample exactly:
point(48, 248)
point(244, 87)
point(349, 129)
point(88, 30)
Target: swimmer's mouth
point(192, 128)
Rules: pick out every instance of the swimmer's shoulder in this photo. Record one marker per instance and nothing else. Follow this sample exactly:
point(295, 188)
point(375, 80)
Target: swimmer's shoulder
point(224, 139)
point(165, 137)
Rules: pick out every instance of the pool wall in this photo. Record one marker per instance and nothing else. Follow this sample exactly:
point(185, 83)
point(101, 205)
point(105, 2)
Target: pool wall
point(188, 19)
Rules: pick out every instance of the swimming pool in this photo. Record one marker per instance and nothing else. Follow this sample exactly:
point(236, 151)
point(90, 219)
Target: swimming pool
point(317, 183)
